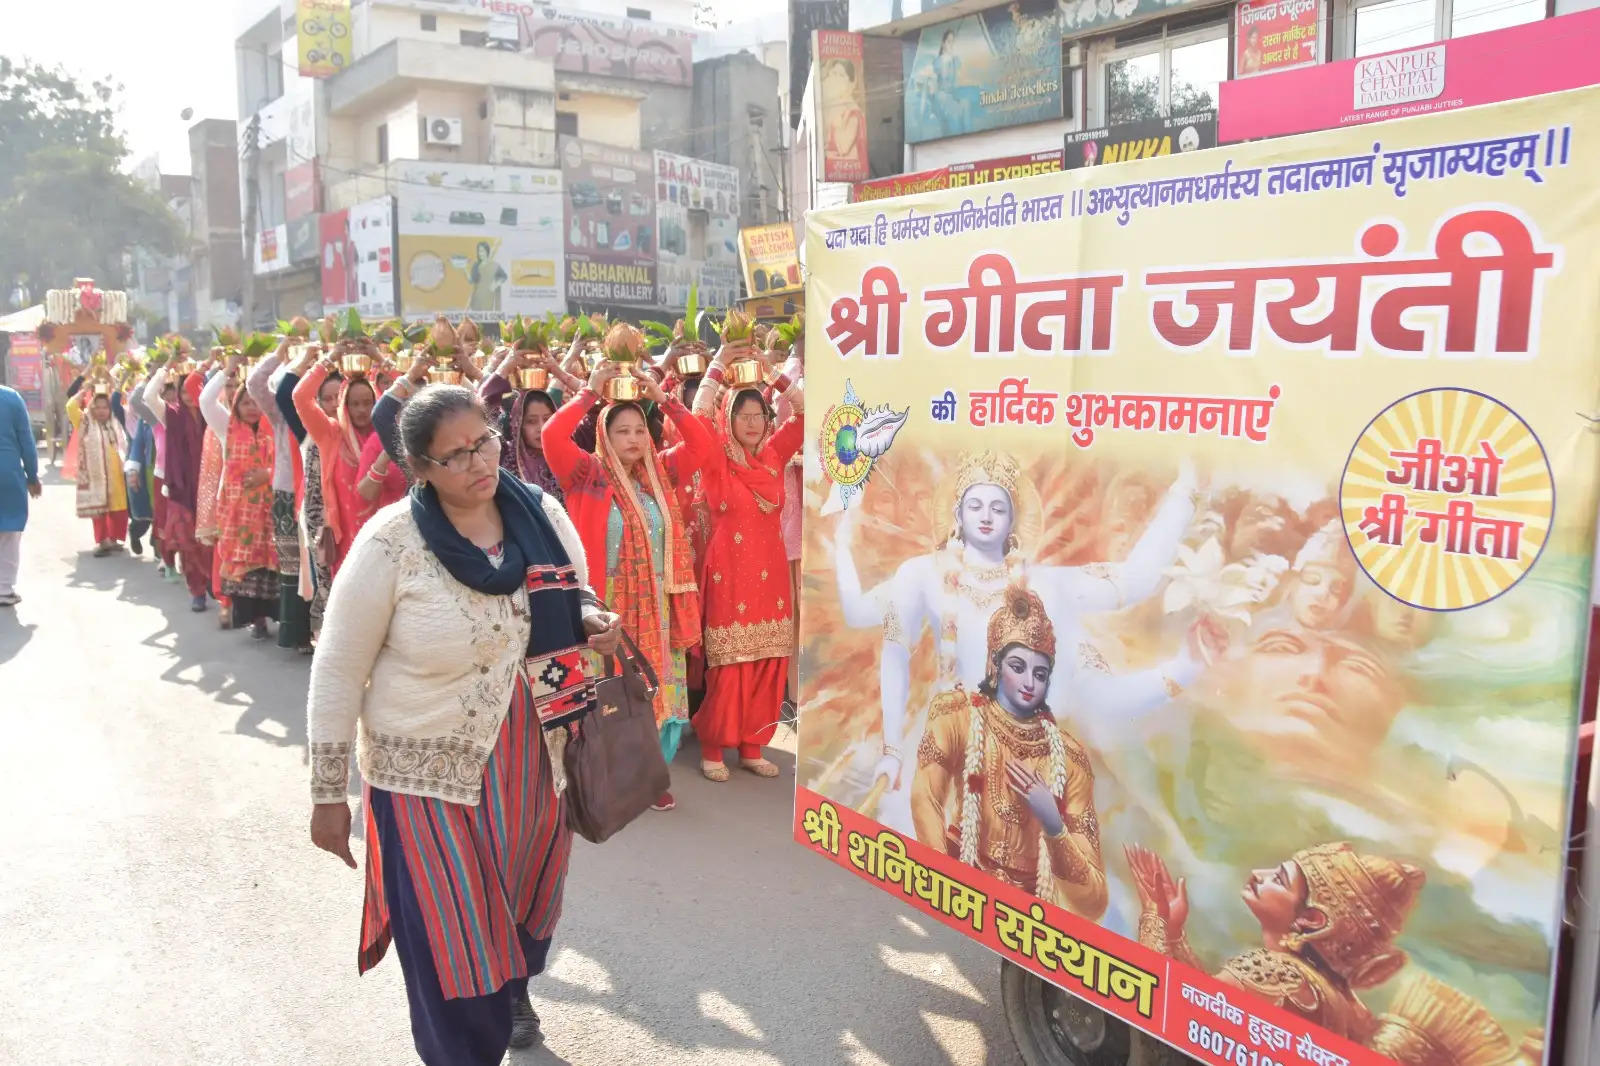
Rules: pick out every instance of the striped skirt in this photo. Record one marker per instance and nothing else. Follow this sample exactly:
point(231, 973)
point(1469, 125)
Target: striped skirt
point(479, 874)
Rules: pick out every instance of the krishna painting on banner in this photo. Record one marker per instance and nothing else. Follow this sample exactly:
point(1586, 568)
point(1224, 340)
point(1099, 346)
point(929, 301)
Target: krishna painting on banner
point(1242, 620)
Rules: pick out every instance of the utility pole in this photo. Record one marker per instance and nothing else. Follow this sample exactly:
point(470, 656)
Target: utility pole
point(250, 156)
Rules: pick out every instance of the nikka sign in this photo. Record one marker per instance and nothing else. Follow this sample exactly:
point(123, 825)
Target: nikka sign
point(1399, 78)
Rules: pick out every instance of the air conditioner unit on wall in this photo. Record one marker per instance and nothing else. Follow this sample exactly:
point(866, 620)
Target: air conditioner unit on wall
point(442, 131)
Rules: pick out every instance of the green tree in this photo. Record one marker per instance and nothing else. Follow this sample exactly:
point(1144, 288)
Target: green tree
point(66, 208)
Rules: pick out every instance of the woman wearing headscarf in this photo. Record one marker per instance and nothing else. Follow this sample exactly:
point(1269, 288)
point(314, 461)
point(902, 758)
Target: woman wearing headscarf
point(294, 613)
point(186, 435)
point(95, 461)
point(149, 402)
point(623, 500)
point(315, 576)
point(216, 406)
point(246, 553)
point(339, 442)
point(441, 645)
point(523, 454)
point(749, 605)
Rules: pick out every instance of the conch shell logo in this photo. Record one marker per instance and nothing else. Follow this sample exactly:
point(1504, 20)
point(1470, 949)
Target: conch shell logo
point(853, 437)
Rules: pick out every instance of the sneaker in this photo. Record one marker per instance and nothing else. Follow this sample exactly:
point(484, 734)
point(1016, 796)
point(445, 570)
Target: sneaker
point(10, 599)
point(524, 1022)
point(197, 604)
point(137, 545)
point(665, 803)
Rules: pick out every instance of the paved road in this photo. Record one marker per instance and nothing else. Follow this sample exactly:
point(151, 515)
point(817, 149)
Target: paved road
point(160, 903)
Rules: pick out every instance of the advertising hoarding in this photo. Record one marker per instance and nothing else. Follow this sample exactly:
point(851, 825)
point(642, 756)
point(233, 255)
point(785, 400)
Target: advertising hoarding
point(697, 218)
point(1206, 573)
point(610, 222)
point(580, 43)
point(478, 240)
point(997, 68)
point(323, 30)
point(358, 259)
point(1276, 35)
point(841, 92)
point(771, 265)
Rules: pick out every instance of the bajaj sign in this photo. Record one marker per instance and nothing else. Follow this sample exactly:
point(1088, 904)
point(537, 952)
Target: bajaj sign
point(1400, 78)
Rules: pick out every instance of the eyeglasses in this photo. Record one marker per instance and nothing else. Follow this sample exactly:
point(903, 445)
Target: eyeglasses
point(460, 461)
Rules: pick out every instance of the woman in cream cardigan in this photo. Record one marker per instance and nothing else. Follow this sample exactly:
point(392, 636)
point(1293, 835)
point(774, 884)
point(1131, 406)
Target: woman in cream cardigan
point(455, 636)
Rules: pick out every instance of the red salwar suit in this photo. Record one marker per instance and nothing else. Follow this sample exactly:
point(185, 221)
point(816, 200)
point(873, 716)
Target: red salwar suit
point(749, 611)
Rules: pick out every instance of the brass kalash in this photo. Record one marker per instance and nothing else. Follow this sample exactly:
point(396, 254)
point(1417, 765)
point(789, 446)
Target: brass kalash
point(444, 345)
point(527, 336)
point(625, 346)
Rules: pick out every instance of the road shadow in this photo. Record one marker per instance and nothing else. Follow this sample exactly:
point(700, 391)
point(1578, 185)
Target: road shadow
point(262, 684)
point(14, 634)
point(758, 946)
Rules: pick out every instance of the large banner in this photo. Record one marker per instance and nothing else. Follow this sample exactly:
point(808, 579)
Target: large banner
point(610, 221)
point(478, 240)
point(1483, 68)
point(841, 120)
point(358, 258)
point(1001, 67)
point(697, 217)
point(1197, 576)
point(578, 42)
point(322, 28)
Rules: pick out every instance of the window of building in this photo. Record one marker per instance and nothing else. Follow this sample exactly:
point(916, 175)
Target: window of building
point(1171, 73)
point(566, 124)
point(430, 22)
point(383, 142)
point(639, 13)
point(475, 38)
point(1380, 26)
point(274, 75)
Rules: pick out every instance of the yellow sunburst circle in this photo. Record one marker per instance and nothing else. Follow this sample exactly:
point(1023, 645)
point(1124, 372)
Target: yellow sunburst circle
point(1447, 499)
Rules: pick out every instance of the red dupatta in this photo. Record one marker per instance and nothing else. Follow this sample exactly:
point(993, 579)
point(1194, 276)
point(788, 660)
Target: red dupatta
point(244, 516)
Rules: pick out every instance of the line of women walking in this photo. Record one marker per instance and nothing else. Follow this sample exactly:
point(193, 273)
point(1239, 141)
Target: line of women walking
point(462, 542)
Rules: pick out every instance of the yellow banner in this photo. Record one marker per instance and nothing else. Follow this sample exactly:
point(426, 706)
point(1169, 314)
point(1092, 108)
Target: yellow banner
point(1217, 530)
point(323, 28)
point(768, 256)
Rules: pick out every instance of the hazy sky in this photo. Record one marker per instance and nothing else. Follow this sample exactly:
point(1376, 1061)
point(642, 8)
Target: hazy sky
point(168, 54)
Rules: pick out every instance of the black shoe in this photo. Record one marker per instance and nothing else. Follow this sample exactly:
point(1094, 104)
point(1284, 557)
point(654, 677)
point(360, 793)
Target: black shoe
point(524, 1022)
point(258, 629)
point(138, 548)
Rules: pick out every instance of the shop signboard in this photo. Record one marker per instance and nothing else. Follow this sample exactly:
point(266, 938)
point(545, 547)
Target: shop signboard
point(806, 16)
point(1006, 168)
point(610, 223)
point(771, 265)
point(1197, 577)
point(1485, 68)
point(478, 240)
point(1141, 140)
point(1000, 67)
point(1080, 17)
point(697, 218)
point(358, 259)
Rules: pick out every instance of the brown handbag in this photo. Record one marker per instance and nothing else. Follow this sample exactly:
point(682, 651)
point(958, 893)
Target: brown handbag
point(615, 769)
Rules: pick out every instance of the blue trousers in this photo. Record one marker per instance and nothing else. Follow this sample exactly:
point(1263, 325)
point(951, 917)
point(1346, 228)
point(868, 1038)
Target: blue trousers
point(447, 1032)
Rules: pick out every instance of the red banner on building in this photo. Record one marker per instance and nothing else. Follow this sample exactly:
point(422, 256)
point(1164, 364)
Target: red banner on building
point(901, 185)
point(1540, 57)
point(1276, 35)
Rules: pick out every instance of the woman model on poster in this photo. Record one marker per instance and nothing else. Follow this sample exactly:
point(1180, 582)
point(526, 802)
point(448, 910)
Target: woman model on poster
point(954, 589)
point(487, 276)
point(846, 125)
